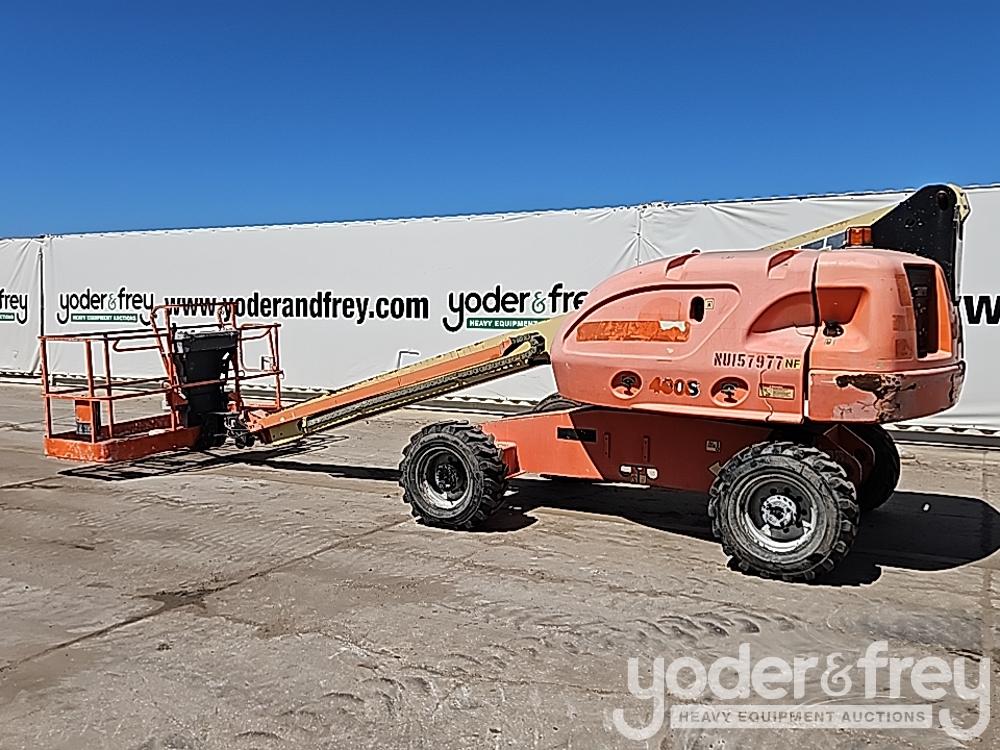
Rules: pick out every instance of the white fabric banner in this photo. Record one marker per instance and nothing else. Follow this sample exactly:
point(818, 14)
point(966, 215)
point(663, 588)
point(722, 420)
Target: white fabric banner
point(744, 225)
point(20, 305)
point(354, 298)
point(980, 307)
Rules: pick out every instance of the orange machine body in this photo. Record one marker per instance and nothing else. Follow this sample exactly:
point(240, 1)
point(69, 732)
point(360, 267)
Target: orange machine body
point(680, 363)
point(787, 336)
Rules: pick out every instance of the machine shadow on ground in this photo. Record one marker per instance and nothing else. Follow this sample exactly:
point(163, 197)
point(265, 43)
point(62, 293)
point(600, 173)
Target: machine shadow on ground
point(193, 462)
point(912, 531)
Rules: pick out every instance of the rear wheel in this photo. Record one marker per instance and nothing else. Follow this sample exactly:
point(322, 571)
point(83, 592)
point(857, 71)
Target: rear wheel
point(784, 510)
point(452, 474)
point(879, 485)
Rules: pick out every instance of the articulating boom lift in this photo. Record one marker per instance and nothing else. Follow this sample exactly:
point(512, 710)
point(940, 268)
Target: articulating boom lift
point(760, 377)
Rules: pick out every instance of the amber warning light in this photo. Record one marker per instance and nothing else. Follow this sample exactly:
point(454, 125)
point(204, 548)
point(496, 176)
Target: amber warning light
point(859, 236)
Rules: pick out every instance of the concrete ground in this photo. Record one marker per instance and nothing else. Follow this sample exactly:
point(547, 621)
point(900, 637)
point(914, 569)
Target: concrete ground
point(285, 599)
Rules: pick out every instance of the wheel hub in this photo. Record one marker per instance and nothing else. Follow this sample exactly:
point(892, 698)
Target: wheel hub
point(443, 478)
point(779, 511)
point(446, 477)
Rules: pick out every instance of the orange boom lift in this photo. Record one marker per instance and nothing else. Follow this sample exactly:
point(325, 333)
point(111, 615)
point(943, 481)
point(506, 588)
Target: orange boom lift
point(762, 378)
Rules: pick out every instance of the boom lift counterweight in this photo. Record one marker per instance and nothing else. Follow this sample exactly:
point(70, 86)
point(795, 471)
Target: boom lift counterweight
point(760, 377)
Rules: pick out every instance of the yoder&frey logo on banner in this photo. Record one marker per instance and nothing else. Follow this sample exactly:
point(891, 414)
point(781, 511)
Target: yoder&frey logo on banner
point(89, 306)
point(15, 307)
point(505, 309)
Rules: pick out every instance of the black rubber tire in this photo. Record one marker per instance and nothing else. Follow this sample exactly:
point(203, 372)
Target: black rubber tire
point(553, 402)
point(813, 471)
point(211, 435)
point(881, 483)
point(472, 452)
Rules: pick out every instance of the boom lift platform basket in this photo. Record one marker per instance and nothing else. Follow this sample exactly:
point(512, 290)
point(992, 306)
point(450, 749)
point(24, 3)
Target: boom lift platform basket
point(205, 372)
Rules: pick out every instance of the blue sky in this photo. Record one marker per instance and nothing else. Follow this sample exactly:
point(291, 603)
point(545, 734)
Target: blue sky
point(126, 115)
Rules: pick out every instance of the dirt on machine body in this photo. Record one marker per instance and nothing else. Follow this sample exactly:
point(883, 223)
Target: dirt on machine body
point(762, 378)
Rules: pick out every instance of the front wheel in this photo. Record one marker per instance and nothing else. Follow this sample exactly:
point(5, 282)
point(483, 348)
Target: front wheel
point(452, 474)
point(784, 510)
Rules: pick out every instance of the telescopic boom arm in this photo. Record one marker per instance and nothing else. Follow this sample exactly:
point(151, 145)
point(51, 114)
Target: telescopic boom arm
point(477, 363)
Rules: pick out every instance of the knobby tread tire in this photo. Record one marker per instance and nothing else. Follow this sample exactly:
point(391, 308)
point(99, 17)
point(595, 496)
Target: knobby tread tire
point(879, 486)
point(484, 462)
point(833, 476)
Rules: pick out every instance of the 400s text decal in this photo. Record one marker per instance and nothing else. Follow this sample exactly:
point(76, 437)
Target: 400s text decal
point(675, 386)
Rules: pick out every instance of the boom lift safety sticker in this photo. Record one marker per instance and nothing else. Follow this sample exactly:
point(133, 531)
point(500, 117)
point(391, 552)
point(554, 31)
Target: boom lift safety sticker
point(784, 392)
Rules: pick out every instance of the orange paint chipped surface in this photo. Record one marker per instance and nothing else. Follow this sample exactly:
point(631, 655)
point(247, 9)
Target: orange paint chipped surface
point(634, 330)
